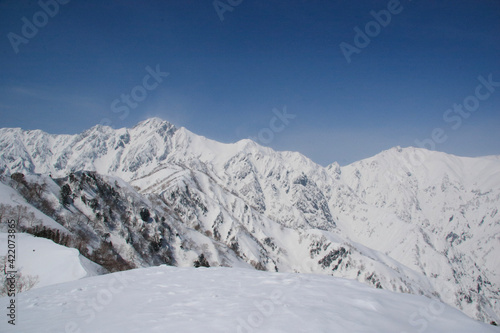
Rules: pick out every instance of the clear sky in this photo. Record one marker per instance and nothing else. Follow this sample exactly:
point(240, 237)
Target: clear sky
point(66, 69)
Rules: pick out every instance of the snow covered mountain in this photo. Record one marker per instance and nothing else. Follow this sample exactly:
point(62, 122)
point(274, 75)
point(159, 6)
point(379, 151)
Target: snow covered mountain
point(406, 220)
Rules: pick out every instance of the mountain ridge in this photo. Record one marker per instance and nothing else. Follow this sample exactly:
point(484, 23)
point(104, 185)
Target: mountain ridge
point(400, 220)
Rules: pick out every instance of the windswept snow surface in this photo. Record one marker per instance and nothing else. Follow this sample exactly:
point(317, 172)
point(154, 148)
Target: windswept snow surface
point(50, 262)
point(171, 299)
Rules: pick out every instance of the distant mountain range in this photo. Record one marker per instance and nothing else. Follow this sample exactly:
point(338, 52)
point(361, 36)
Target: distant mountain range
point(407, 220)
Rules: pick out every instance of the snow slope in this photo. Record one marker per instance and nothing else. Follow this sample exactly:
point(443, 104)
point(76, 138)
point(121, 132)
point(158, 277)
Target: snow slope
point(170, 299)
point(50, 262)
point(10, 197)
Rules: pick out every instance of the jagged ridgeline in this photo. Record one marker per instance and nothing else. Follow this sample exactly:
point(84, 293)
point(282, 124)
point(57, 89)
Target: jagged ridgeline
point(155, 194)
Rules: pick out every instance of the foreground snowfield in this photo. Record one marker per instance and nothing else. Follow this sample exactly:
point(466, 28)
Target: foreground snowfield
point(171, 299)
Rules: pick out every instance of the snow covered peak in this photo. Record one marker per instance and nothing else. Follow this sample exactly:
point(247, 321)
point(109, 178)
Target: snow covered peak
point(153, 124)
point(430, 167)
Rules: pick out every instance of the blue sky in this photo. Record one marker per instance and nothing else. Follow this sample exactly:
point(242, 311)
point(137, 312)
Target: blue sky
point(226, 77)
